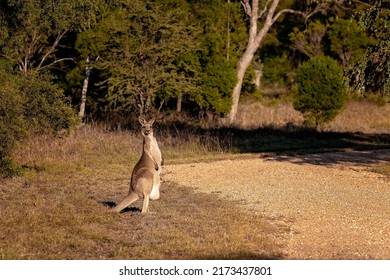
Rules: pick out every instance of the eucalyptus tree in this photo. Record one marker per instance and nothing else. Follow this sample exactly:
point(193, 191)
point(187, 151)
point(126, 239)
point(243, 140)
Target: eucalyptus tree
point(262, 15)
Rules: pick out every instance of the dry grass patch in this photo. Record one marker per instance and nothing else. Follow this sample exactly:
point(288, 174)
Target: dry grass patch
point(59, 208)
point(60, 220)
point(362, 116)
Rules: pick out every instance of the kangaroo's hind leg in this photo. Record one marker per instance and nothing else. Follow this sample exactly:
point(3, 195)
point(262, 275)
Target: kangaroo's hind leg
point(145, 205)
point(145, 185)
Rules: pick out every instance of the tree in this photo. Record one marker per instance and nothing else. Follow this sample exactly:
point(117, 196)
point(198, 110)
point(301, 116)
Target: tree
point(33, 29)
point(217, 82)
point(321, 93)
point(347, 40)
point(137, 43)
point(309, 41)
point(223, 31)
point(29, 105)
point(268, 15)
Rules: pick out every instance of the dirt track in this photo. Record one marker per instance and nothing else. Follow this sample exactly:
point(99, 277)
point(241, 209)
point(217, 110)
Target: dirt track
point(325, 206)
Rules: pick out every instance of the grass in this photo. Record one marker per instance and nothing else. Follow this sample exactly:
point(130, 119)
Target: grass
point(60, 207)
point(72, 220)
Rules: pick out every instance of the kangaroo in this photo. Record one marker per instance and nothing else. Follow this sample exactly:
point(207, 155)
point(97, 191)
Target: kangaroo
point(145, 178)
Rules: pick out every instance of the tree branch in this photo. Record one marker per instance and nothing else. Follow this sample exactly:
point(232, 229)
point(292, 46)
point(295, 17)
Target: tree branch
point(51, 50)
point(247, 7)
point(287, 11)
point(264, 10)
point(54, 62)
point(306, 15)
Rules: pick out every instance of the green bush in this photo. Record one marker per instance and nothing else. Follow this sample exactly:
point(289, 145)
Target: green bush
point(46, 109)
point(12, 124)
point(277, 71)
point(321, 93)
point(28, 105)
point(218, 81)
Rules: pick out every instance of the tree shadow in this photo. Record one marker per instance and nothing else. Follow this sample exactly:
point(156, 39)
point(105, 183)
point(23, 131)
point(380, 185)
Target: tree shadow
point(361, 158)
point(288, 140)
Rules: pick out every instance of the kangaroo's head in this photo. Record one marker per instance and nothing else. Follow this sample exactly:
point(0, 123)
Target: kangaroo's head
point(147, 126)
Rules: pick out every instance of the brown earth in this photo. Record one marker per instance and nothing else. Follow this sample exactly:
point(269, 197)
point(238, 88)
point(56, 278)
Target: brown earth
point(325, 206)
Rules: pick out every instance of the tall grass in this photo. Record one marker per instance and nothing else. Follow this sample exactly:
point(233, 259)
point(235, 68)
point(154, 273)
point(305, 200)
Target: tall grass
point(96, 145)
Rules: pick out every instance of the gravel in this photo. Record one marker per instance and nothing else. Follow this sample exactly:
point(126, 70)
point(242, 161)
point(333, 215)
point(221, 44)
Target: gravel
point(325, 206)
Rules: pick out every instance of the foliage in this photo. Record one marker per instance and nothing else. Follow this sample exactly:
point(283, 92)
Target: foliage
point(28, 105)
point(32, 30)
point(347, 40)
point(309, 41)
point(138, 45)
point(278, 71)
point(320, 95)
point(46, 109)
point(12, 124)
point(218, 81)
point(372, 70)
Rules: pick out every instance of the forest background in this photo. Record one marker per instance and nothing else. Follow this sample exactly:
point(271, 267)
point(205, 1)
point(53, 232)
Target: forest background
point(62, 63)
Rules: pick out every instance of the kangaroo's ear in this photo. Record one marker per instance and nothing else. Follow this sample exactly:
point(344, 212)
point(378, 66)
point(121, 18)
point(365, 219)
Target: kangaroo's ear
point(142, 120)
point(152, 121)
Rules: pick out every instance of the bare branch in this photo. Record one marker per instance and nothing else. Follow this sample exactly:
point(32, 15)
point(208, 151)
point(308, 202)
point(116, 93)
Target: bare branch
point(247, 7)
point(287, 11)
point(306, 15)
point(52, 49)
point(55, 62)
point(161, 104)
point(319, 8)
point(264, 10)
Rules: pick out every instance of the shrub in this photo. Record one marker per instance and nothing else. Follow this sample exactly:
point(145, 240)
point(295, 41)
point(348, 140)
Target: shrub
point(46, 109)
point(28, 105)
point(321, 93)
point(277, 71)
point(218, 81)
point(12, 124)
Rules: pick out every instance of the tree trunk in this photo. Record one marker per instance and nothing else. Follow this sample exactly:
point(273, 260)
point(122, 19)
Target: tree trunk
point(257, 80)
point(179, 102)
point(88, 69)
point(255, 38)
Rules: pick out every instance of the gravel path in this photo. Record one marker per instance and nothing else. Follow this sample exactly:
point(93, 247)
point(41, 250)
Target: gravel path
point(327, 206)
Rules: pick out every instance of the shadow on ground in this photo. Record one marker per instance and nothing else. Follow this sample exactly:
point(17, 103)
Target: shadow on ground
point(111, 205)
point(365, 158)
point(289, 140)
